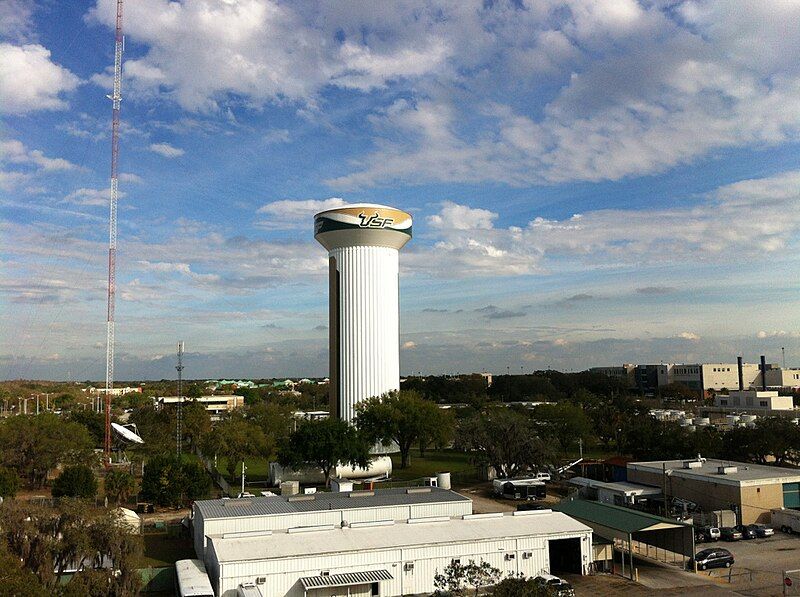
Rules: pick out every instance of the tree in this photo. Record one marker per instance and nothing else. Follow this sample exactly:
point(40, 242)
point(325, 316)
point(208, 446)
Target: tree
point(34, 445)
point(196, 424)
point(402, 417)
point(195, 391)
point(169, 481)
point(235, 438)
point(458, 577)
point(76, 481)
point(9, 482)
point(504, 439)
point(119, 485)
point(94, 422)
point(519, 586)
point(324, 443)
point(563, 422)
point(46, 541)
point(15, 580)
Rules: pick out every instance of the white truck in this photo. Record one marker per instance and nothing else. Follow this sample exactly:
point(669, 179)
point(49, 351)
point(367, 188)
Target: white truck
point(787, 520)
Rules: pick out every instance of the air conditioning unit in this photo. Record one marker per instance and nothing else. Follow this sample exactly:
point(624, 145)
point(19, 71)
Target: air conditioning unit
point(261, 580)
point(527, 555)
point(408, 566)
point(510, 556)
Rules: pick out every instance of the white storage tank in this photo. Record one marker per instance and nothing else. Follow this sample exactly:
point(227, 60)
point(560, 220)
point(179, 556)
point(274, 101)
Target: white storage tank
point(702, 421)
point(380, 466)
point(443, 480)
point(748, 418)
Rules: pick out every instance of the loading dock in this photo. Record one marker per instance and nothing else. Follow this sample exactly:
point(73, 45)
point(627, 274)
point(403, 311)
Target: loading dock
point(565, 555)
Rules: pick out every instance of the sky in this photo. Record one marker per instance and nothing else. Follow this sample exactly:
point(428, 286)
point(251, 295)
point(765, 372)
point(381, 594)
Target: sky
point(591, 182)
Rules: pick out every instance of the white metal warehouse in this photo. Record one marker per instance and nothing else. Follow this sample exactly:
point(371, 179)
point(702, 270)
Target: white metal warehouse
point(220, 517)
point(395, 558)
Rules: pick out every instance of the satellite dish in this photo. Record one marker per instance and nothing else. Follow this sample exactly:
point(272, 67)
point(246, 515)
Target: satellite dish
point(128, 433)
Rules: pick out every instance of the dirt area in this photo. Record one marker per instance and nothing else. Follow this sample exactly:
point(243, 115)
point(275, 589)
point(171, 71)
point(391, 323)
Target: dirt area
point(606, 585)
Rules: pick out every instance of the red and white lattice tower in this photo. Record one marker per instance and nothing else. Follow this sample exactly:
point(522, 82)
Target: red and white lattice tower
point(116, 98)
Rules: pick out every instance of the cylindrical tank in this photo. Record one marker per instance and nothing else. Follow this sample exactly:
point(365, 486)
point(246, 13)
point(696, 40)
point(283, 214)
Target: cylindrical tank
point(748, 418)
point(702, 421)
point(380, 466)
point(443, 480)
point(686, 422)
point(732, 419)
point(363, 242)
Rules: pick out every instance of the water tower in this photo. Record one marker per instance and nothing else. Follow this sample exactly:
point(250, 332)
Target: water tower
point(363, 242)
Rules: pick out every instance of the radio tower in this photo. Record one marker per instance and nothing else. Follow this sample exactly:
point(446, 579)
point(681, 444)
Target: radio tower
point(179, 426)
point(116, 98)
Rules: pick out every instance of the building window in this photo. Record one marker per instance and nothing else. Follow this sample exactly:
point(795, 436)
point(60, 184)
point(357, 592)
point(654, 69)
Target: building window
point(763, 403)
point(723, 403)
point(375, 589)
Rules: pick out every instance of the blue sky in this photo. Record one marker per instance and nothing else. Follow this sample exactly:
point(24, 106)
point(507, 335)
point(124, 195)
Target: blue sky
point(591, 182)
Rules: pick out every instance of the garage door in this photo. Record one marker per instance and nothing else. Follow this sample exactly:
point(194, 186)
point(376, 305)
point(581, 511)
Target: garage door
point(791, 495)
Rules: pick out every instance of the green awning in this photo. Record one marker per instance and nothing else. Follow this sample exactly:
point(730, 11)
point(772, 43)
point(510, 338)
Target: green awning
point(619, 518)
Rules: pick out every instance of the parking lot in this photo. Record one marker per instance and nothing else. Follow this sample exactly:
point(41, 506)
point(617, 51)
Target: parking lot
point(759, 563)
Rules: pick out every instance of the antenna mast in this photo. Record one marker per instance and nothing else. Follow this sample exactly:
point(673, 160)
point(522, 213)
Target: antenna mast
point(116, 98)
point(179, 426)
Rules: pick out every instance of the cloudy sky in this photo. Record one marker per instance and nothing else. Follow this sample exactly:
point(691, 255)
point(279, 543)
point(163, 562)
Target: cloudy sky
point(591, 182)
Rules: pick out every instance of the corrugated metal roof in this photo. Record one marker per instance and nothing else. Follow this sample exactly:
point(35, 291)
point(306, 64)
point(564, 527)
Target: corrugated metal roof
point(284, 545)
point(615, 517)
point(345, 580)
point(274, 505)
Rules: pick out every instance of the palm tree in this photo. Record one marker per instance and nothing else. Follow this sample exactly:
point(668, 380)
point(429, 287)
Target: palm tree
point(119, 485)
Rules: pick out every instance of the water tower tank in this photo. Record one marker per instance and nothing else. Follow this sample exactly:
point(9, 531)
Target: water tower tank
point(363, 242)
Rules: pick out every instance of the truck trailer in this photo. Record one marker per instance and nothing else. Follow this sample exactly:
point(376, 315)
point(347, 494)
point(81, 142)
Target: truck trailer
point(786, 519)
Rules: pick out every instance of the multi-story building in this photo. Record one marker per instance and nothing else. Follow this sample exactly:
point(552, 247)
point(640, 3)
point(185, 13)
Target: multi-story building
point(216, 405)
point(757, 401)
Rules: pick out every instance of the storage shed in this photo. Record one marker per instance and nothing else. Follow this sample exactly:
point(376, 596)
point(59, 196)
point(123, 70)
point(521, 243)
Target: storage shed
point(397, 558)
point(258, 514)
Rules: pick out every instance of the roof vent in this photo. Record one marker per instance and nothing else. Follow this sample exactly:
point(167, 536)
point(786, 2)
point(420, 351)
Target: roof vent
point(418, 490)
point(302, 498)
point(727, 470)
point(692, 464)
point(236, 503)
point(355, 494)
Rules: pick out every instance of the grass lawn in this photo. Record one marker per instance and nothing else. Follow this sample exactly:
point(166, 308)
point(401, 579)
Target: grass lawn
point(257, 468)
point(162, 550)
point(434, 461)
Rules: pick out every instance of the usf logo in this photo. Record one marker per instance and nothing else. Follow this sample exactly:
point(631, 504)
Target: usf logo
point(374, 221)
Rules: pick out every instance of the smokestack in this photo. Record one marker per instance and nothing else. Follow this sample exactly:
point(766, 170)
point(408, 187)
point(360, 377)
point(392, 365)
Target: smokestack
point(763, 373)
point(741, 375)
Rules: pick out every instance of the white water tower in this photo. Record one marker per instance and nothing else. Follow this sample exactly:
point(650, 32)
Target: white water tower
point(363, 242)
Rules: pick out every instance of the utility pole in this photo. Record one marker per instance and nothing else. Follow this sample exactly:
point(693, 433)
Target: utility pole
point(783, 356)
point(664, 489)
point(244, 470)
point(116, 99)
point(179, 425)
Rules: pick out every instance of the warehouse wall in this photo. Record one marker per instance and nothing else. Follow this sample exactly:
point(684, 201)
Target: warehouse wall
point(527, 556)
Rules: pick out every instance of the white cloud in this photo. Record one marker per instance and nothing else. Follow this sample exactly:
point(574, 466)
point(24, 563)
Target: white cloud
point(689, 336)
point(16, 20)
point(15, 152)
point(200, 52)
point(777, 334)
point(167, 150)
point(735, 217)
point(294, 213)
point(460, 217)
point(409, 345)
point(274, 136)
point(31, 81)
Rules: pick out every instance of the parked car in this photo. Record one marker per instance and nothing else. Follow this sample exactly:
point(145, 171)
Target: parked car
point(746, 531)
point(761, 530)
point(712, 558)
point(540, 476)
point(555, 586)
point(730, 534)
point(707, 533)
